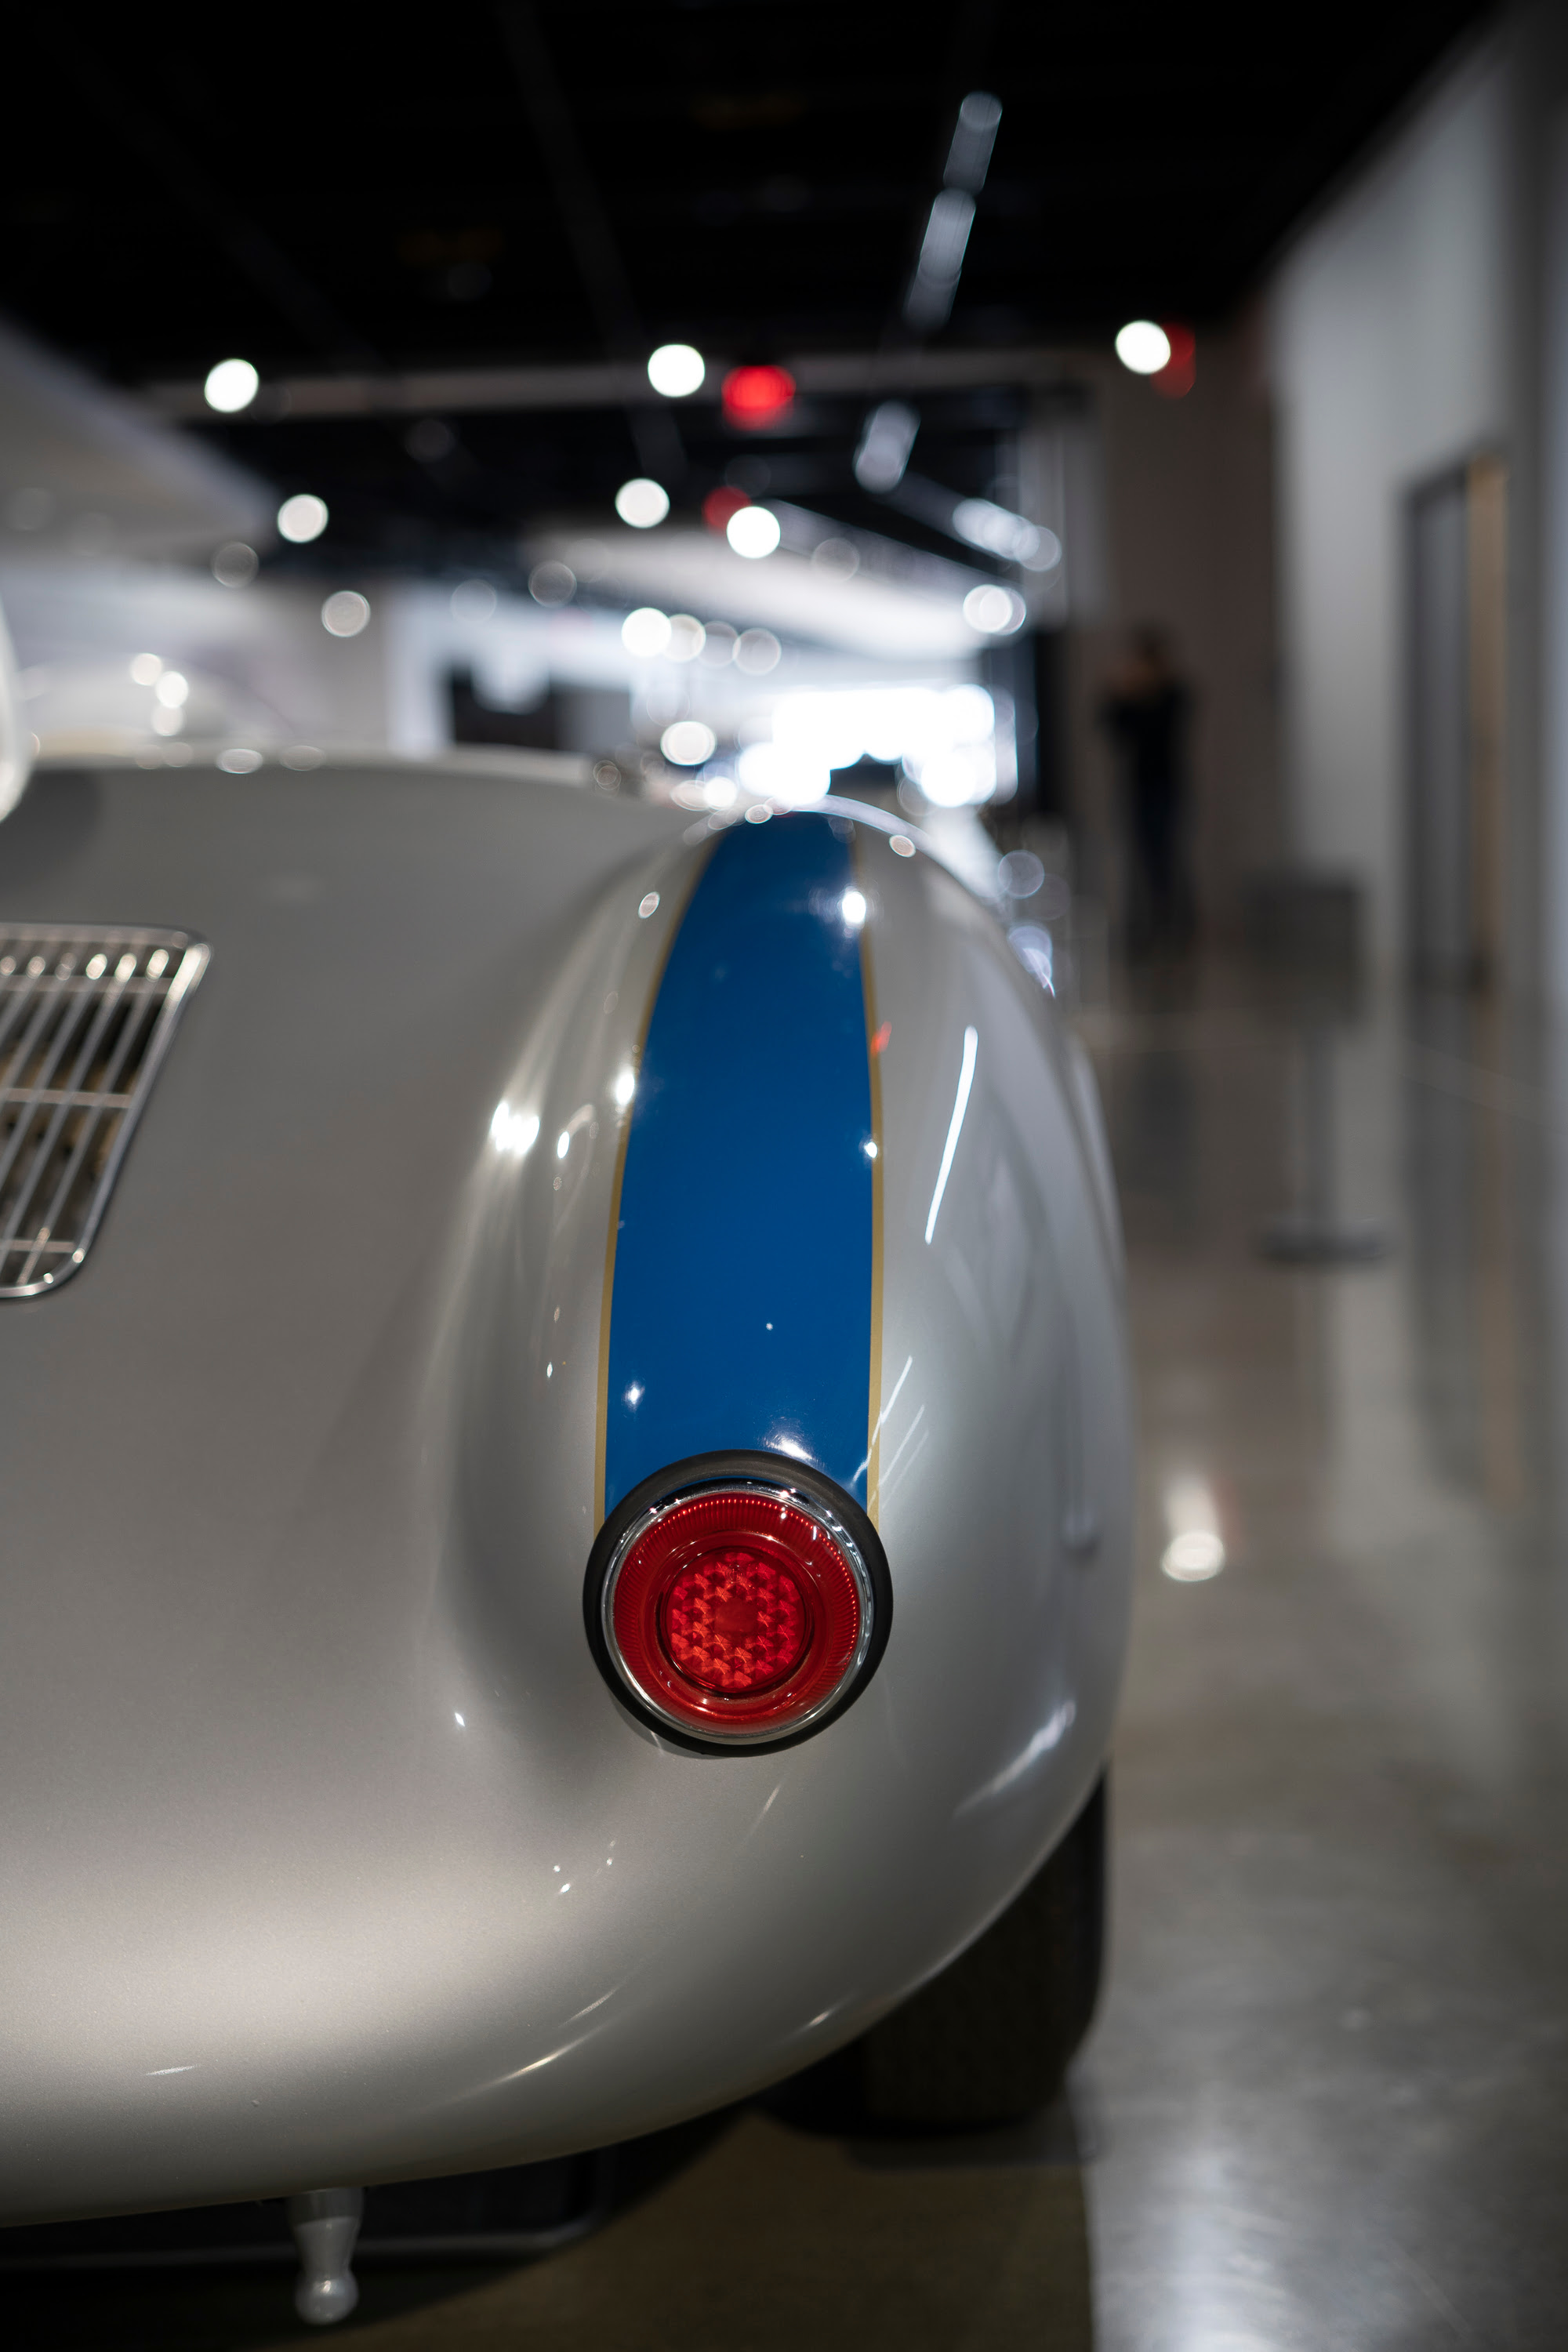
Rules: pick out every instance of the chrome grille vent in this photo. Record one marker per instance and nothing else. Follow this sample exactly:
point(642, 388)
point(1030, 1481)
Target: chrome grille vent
point(84, 1019)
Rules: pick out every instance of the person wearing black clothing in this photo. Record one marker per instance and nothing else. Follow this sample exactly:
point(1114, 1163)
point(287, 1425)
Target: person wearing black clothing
point(1145, 713)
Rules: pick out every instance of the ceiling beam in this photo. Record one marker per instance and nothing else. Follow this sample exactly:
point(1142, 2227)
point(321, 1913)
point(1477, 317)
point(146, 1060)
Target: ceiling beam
point(451, 392)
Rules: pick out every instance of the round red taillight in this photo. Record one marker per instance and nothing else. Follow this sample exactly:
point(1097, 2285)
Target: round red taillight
point(738, 1612)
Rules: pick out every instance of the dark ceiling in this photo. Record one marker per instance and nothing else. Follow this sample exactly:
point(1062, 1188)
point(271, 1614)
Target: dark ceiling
point(361, 189)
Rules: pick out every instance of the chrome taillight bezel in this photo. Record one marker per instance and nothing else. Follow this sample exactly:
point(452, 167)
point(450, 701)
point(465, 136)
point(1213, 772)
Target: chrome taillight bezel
point(769, 1477)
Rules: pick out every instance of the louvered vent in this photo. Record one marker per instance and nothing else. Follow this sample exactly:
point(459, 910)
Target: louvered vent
point(84, 1019)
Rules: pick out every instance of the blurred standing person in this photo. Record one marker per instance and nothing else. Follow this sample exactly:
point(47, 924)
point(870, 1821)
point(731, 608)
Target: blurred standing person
point(1145, 713)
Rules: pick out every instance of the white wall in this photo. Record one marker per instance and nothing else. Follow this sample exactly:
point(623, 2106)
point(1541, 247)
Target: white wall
point(1393, 339)
point(1553, 643)
point(1189, 546)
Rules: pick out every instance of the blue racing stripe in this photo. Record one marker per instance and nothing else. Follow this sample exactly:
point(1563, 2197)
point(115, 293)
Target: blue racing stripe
point(740, 1314)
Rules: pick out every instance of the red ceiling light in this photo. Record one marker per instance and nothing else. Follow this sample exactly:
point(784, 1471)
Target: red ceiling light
point(737, 1612)
point(719, 505)
point(1180, 372)
point(755, 396)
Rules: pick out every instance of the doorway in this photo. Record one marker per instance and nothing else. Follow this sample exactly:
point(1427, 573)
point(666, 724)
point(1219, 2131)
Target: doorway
point(1455, 550)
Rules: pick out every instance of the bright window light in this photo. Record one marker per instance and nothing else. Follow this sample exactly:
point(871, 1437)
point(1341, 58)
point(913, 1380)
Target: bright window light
point(958, 777)
point(645, 632)
point(852, 907)
point(677, 370)
point(302, 517)
point(230, 386)
point(1143, 347)
point(752, 531)
point(944, 736)
point(642, 502)
point(688, 743)
point(791, 774)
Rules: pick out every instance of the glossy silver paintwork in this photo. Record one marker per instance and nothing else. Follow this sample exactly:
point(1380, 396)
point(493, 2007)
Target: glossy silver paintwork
point(807, 1506)
point(328, 1853)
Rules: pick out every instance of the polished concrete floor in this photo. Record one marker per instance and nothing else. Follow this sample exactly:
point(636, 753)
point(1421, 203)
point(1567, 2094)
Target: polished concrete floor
point(1325, 2108)
point(1333, 2071)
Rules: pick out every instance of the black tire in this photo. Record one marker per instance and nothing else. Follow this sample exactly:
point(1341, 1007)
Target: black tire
point(987, 2042)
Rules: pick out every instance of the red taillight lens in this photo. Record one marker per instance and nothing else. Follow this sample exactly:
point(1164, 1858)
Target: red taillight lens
point(734, 1622)
point(737, 1612)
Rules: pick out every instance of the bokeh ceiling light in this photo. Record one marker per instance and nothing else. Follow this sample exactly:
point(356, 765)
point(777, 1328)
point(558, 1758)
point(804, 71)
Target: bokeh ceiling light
point(235, 564)
point(646, 633)
point(551, 583)
point(887, 439)
point(1143, 347)
point(994, 610)
point(756, 651)
point(677, 370)
point(474, 602)
point(345, 613)
point(756, 396)
point(230, 386)
point(753, 531)
point(1011, 536)
point(688, 743)
point(302, 517)
point(642, 502)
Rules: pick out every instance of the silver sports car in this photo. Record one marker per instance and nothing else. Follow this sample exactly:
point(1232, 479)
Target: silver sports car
point(565, 1446)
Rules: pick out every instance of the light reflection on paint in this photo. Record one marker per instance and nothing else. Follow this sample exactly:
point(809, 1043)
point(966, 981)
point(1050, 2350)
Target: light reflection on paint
point(1048, 1738)
point(514, 1131)
point(960, 1104)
